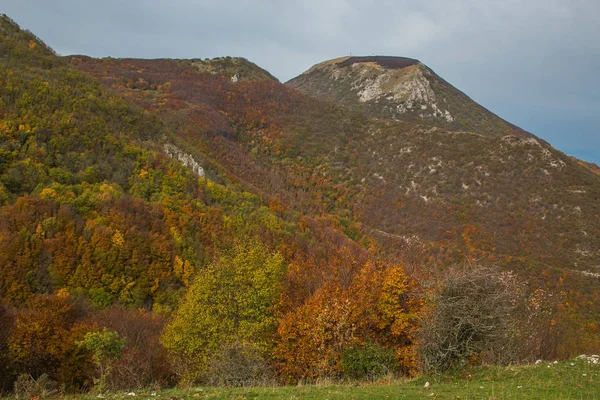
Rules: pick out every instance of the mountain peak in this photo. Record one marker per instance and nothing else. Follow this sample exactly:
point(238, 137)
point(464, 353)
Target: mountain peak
point(389, 62)
point(399, 88)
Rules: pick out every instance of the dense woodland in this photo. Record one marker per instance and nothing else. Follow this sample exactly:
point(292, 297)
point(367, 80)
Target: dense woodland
point(122, 268)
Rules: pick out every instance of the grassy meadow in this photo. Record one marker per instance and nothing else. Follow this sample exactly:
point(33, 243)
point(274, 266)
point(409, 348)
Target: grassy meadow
point(574, 379)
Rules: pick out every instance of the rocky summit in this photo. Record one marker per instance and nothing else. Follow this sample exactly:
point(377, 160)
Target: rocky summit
point(399, 88)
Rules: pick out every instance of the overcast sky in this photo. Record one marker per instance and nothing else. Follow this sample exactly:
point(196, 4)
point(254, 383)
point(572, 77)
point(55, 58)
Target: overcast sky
point(535, 63)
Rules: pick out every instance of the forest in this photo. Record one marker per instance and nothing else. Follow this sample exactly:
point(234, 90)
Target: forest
point(121, 268)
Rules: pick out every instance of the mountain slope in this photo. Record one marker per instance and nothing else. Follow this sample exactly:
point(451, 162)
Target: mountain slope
point(121, 178)
point(126, 191)
point(427, 195)
point(92, 203)
point(399, 88)
point(490, 191)
point(521, 200)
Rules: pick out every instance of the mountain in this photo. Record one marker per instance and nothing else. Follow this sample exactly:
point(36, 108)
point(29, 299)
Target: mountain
point(402, 89)
point(424, 192)
point(121, 180)
point(452, 154)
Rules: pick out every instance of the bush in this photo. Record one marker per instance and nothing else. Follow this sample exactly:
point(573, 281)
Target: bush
point(6, 323)
point(106, 347)
point(239, 365)
point(143, 362)
point(26, 387)
point(474, 319)
point(370, 362)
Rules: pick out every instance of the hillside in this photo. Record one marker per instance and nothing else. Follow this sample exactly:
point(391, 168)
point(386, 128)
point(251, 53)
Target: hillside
point(120, 194)
point(427, 195)
point(259, 222)
point(99, 199)
point(511, 186)
point(520, 198)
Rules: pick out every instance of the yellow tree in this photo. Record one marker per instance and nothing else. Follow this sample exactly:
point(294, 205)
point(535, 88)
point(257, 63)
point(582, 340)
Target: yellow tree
point(229, 302)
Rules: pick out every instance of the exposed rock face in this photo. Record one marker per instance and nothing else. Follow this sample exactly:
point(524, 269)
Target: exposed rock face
point(185, 159)
point(402, 89)
point(409, 90)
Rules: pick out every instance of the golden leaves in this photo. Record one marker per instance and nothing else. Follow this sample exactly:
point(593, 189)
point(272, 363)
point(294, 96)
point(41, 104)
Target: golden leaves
point(117, 239)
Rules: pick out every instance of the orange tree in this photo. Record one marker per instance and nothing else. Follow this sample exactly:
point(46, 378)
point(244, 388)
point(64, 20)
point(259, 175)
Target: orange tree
point(378, 306)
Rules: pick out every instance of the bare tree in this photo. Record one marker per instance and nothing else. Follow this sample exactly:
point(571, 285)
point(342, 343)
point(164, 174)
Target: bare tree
point(473, 318)
point(237, 365)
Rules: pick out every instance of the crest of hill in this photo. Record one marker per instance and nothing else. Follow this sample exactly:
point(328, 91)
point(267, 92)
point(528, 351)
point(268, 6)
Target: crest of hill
point(400, 88)
point(234, 67)
point(20, 46)
point(384, 61)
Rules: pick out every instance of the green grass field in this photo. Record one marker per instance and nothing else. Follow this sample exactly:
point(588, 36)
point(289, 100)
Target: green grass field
point(575, 379)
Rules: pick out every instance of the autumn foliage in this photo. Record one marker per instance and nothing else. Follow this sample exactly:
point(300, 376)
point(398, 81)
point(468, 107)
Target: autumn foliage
point(276, 261)
point(379, 305)
point(229, 302)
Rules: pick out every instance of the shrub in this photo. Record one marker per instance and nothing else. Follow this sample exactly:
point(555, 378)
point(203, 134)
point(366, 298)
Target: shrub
point(26, 387)
point(144, 360)
point(370, 362)
point(474, 319)
point(239, 365)
point(106, 347)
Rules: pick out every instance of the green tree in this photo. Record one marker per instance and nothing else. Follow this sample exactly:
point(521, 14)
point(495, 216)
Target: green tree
point(230, 301)
point(106, 347)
